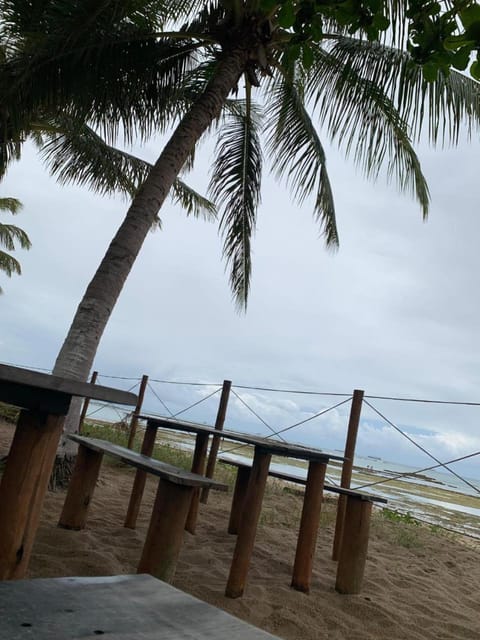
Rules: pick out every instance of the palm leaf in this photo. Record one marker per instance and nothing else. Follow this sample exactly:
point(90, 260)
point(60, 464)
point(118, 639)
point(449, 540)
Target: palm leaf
point(12, 205)
point(76, 154)
point(296, 151)
point(235, 187)
point(363, 120)
point(446, 105)
point(9, 233)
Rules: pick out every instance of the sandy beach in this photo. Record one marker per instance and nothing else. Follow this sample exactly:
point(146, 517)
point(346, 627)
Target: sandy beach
point(420, 583)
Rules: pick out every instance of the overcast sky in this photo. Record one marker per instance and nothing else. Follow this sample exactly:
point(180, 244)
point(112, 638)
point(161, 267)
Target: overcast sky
point(394, 312)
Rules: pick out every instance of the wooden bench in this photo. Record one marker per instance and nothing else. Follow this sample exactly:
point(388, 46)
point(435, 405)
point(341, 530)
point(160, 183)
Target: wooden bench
point(355, 528)
point(170, 509)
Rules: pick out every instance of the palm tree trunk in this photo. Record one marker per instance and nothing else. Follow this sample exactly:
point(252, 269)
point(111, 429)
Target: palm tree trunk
point(77, 354)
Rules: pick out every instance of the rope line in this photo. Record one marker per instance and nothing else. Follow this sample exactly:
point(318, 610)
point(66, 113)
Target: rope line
point(197, 403)
point(192, 384)
point(452, 402)
point(159, 399)
point(419, 446)
point(255, 414)
point(276, 433)
point(317, 415)
point(407, 474)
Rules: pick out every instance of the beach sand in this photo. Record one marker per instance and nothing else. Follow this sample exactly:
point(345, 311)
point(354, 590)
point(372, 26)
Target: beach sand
point(419, 584)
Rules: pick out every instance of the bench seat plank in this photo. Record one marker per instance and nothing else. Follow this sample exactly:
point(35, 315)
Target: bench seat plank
point(290, 477)
point(156, 467)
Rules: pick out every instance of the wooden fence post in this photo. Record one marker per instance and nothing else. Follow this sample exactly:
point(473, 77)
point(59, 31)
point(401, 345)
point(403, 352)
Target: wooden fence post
point(219, 422)
point(136, 413)
point(347, 467)
point(86, 402)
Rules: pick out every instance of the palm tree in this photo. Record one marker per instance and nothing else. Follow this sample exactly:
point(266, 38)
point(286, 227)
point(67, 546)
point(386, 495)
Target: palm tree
point(140, 67)
point(9, 234)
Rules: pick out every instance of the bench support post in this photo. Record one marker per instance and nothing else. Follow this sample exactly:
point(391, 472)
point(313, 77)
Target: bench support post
point(238, 500)
point(307, 536)
point(165, 532)
point(23, 488)
point(140, 478)
point(198, 466)
point(353, 552)
point(248, 527)
point(80, 489)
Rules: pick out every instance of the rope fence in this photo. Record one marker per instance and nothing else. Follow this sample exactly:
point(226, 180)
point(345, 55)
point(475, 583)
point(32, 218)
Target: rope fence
point(168, 400)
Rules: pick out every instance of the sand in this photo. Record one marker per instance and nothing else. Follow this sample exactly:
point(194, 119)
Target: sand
point(419, 584)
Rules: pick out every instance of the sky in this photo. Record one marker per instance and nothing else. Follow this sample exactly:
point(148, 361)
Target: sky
point(394, 312)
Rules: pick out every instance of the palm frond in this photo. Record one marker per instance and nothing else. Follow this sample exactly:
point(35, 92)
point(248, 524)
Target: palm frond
point(76, 154)
point(193, 202)
point(12, 205)
point(9, 265)
point(9, 234)
point(296, 151)
point(445, 105)
point(235, 187)
point(117, 72)
point(362, 119)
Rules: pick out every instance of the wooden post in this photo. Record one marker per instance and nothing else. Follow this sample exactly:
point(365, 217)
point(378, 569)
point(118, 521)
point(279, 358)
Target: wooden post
point(238, 500)
point(136, 413)
point(248, 527)
point(80, 489)
point(219, 422)
point(138, 488)
point(353, 553)
point(165, 532)
point(23, 488)
point(307, 536)
point(347, 467)
point(86, 402)
point(198, 466)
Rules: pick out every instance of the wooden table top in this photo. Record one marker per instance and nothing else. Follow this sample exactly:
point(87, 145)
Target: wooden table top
point(273, 446)
point(35, 390)
point(137, 607)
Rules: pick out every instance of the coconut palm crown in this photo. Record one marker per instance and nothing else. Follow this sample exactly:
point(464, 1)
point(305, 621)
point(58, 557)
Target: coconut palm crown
point(269, 79)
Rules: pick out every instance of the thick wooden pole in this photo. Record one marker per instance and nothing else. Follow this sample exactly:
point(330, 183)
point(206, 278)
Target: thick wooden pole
point(86, 404)
point(165, 532)
point(307, 536)
point(23, 487)
point(138, 488)
point(248, 527)
point(347, 467)
point(219, 422)
point(238, 500)
point(198, 466)
point(353, 554)
point(136, 413)
point(80, 489)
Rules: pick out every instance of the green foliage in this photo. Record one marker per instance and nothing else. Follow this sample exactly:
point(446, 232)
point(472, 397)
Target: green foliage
point(439, 36)
point(9, 413)
point(9, 235)
point(398, 516)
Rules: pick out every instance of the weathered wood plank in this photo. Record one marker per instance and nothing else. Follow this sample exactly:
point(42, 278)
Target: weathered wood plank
point(155, 467)
point(290, 477)
point(268, 444)
point(21, 387)
point(136, 607)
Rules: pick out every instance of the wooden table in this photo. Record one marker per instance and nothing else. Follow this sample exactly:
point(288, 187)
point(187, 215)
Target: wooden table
point(45, 401)
point(119, 607)
point(264, 448)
